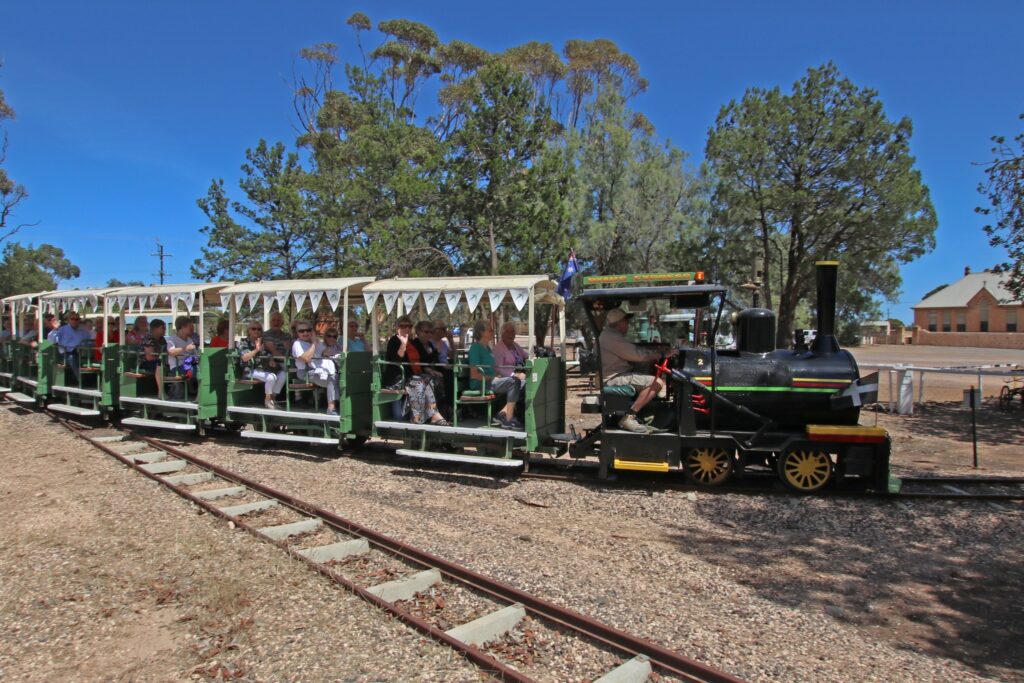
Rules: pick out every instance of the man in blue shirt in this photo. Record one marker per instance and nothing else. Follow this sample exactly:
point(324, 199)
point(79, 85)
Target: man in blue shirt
point(68, 337)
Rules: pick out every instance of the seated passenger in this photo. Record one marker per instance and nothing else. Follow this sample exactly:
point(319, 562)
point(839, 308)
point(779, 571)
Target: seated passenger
point(332, 347)
point(481, 368)
point(137, 332)
point(152, 345)
point(355, 337)
point(312, 366)
point(68, 338)
point(5, 333)
point(257, 363)
point(111, 336)
point(220, 340)
point(617, 358)
point(425, 381)
point(31, 337)
point(393, 374)
point(182, 355)
point(275, 339)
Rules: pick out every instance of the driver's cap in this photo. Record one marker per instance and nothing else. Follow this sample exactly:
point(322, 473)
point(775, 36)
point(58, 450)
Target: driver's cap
point(617, 315)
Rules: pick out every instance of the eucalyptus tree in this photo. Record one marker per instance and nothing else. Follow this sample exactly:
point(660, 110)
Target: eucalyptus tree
point(12, 193)
point(819, 173)
point(1004, 190)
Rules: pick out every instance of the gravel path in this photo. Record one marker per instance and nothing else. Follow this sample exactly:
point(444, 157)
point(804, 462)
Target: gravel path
point(767, 587)
point(107, 576)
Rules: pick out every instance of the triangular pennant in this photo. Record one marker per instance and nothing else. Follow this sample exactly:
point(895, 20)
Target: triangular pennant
point(225, 301)
point(334, 298)
point(494, 297)
point(282, 301)
point(173, 303)
point(300, 298)
point(451, 299)
point(371, 299)
point(409, 299)
point(430, 300)
point(389, 300)
point(189, 298)
point(152, 300)
point(121, 298)
point(92, 301)
point(520, 297)
point(134, 302)
point(473, 297)
point(254, 298)
point(314, 299)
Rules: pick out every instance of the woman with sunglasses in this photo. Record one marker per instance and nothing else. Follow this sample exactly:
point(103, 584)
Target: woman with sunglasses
point(311, 364)
point(258, 363)
point(426, 379)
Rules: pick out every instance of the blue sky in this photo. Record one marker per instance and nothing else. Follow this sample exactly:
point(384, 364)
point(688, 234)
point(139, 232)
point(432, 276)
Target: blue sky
point(127, 110)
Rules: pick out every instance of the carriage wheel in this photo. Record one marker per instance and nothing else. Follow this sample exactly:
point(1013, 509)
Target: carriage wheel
point(708, 466)
point(805, 470)
point(1005, 398)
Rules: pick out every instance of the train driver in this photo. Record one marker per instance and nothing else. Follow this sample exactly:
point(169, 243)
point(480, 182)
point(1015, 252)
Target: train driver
point(618, 356)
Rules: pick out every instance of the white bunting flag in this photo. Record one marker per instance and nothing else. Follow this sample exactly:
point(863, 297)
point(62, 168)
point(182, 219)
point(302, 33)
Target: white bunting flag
point(389, 300)
point(520, 297)
point(121, 298)
point(92, 301)
point(300, 298)
point(314, 299)
point(153, 298)
point(409, 299)
point(189, 298)
point(133, 303)
point(430, 300)
point(371, 299)
point(334, 298)
point(225, 301)
point(238, 298)
point(494, 297)
point(451, 299)
point(473, 297)
point(254, 298)
point(282, 301)
point(174, 303)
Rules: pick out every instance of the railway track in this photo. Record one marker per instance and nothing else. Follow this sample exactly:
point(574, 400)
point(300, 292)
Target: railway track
point(357, 558)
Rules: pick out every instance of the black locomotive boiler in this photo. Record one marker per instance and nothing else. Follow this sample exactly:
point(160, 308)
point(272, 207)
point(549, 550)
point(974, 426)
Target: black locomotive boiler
point(728, 411)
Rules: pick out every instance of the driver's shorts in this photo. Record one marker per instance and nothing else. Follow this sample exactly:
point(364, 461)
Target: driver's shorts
point(634, 379)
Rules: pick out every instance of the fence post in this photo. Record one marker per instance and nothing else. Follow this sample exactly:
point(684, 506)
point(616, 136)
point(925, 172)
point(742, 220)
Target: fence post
point(974, 429)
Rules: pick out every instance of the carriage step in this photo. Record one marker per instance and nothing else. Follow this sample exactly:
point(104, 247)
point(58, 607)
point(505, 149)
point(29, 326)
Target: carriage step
point(157, 424)
point(282, 531)
point(164, 466)
point(336, 551)
point(489, 626)
point(160, 402)
point(29, 381)
point(5, 390)
point(636, 670)
point(274, 436)
point(490, 432)
point(20, 397)
point(74, 410)
point(290, 414)
point(91, 393)
point(455, 457)
point(407, 588)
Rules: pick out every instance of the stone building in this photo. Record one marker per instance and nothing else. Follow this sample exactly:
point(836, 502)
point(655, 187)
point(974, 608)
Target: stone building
point(973, 311)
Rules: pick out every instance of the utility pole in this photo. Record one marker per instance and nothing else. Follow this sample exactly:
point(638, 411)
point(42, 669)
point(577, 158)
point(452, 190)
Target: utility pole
point(161, 254)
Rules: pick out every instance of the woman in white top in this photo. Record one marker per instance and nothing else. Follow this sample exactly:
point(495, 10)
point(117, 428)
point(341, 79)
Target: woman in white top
point(312, 366)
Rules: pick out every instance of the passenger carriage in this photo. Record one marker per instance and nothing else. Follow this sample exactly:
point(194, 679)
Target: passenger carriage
point(28, 370)
point(94, 391)
point(145, 395)
point(302, 417)
point(470, 437)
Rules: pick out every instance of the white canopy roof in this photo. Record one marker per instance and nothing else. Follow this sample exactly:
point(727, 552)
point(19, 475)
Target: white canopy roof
point(270, 291)
point(138, 299)
point(498, 288)
point(72, 299)
point(21, 302)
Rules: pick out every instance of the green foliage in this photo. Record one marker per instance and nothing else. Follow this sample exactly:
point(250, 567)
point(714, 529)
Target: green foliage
point(114, 282)
point(11, 193)
point(818, 173)
point(1004, 190)
point(33, 269)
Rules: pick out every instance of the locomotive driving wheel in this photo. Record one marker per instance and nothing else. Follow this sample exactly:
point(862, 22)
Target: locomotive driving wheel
point(708, 466)
point(806, 469)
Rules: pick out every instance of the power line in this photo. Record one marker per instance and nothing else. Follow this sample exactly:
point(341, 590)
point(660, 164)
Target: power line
point(161, 254)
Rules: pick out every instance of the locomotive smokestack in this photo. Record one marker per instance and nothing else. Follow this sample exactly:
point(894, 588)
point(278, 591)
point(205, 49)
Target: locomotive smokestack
point(826, 341)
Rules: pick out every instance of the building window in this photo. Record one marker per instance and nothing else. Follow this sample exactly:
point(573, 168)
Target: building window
point(947, 325)
point(983, 310)
point(961, 321)
point(933, 321)
point(1011, 320)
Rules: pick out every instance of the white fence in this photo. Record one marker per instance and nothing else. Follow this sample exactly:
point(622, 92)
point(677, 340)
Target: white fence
point(901, 398)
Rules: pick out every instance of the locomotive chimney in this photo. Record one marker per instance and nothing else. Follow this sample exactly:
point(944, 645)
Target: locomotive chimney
point(825, 341)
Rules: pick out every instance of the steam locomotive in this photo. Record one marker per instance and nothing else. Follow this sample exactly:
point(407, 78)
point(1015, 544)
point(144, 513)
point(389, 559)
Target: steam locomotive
point(731, 411)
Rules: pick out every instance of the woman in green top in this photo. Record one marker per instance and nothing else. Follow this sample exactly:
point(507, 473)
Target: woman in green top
point(481, 367)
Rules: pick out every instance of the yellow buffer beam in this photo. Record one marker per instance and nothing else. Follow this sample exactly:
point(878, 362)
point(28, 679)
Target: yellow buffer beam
point(641, 466)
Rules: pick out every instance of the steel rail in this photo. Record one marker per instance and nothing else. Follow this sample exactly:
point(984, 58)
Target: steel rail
point(660, 657)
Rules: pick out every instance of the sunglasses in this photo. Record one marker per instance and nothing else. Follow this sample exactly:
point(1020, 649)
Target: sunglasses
point(304, 329)
point(255, 329)
point(330, 336)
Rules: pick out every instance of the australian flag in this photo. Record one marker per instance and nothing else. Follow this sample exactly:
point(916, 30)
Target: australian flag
point(565, 282)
